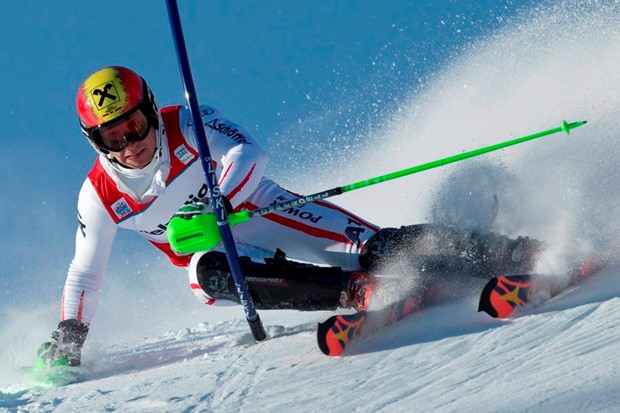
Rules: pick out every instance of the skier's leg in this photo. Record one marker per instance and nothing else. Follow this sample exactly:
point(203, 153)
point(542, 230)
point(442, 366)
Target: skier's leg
point(435, 246)
point(282, 284)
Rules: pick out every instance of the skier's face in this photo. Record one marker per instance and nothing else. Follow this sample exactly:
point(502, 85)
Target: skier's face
point(137, 153)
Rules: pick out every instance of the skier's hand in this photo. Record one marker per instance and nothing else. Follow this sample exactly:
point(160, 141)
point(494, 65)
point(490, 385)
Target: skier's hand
point(201, 206)
point(65, 345)
point(194, 228)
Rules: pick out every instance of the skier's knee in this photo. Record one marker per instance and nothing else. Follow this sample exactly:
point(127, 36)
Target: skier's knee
point(214, 278)
point(389, 245)
point(208, 274)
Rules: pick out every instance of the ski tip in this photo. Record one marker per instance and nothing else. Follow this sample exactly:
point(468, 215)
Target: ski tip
point(501, 295)
point(335, 333)
point(325, 339)
point(485, 299)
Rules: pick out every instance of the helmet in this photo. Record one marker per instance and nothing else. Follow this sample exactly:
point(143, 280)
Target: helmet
point(110, 94)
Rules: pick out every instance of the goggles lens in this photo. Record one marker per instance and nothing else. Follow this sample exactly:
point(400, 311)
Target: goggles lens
point(134, 126)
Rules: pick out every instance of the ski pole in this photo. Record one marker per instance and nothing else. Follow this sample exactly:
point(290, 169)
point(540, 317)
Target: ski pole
point(215, 196)
point(199, 234)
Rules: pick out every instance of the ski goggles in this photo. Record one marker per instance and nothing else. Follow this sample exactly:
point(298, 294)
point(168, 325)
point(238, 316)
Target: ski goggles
point(116, 135)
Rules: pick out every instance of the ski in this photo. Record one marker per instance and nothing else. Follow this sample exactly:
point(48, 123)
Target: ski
point(337, 332)
point(503, 296)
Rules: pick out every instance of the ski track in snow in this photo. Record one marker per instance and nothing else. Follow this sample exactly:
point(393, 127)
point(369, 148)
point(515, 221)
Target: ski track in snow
point(559, 60)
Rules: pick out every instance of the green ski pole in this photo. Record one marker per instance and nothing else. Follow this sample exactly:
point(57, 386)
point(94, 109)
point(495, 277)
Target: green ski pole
point(200, 232)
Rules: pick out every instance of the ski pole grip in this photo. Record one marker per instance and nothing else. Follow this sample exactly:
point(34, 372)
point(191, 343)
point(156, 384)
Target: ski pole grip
point(200, 232)
point(187, 236)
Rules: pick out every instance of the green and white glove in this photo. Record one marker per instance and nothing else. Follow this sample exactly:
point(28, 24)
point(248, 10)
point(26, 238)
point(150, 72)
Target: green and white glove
point(194, 227)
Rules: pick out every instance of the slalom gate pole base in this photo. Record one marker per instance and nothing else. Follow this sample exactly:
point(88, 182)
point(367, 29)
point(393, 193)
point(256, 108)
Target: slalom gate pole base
point(258, 331)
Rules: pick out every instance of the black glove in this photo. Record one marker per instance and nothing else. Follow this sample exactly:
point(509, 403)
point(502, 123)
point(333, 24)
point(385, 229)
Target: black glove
point(65, 345)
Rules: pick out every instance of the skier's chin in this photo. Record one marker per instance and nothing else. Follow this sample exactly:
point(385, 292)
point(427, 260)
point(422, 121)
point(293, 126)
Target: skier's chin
point(139, 160)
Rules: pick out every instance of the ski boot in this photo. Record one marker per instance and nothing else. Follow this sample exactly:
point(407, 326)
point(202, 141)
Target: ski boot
point(361, 287)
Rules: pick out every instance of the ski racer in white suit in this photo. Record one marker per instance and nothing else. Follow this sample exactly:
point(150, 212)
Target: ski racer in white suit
point(149, 166)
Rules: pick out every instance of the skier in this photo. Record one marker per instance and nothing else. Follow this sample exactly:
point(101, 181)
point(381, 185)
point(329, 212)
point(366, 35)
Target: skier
point(148, 167)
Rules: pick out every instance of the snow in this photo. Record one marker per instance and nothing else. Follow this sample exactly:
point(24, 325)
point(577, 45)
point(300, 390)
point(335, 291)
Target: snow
point(162, 352)
point(562, 357)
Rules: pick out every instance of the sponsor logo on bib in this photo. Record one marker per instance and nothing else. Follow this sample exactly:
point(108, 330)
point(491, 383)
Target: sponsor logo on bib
point(183, 154)
point(121, 208)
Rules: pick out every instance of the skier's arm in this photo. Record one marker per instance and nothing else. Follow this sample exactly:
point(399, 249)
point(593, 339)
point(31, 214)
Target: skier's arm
point(241, 160)
point(93, 243)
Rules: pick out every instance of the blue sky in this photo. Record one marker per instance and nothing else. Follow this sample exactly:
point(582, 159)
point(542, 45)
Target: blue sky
point(270, 66)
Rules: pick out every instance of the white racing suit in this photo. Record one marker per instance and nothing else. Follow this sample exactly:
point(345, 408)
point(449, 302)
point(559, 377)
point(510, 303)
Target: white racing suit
point(112, 198)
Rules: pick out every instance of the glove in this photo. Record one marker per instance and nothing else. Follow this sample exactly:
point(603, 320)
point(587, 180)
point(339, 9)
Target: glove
point(194, 228)
point(65, 345)
point(201, 206)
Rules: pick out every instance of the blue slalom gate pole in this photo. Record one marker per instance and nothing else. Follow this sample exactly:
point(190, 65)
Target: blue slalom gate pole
point(217, 203)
